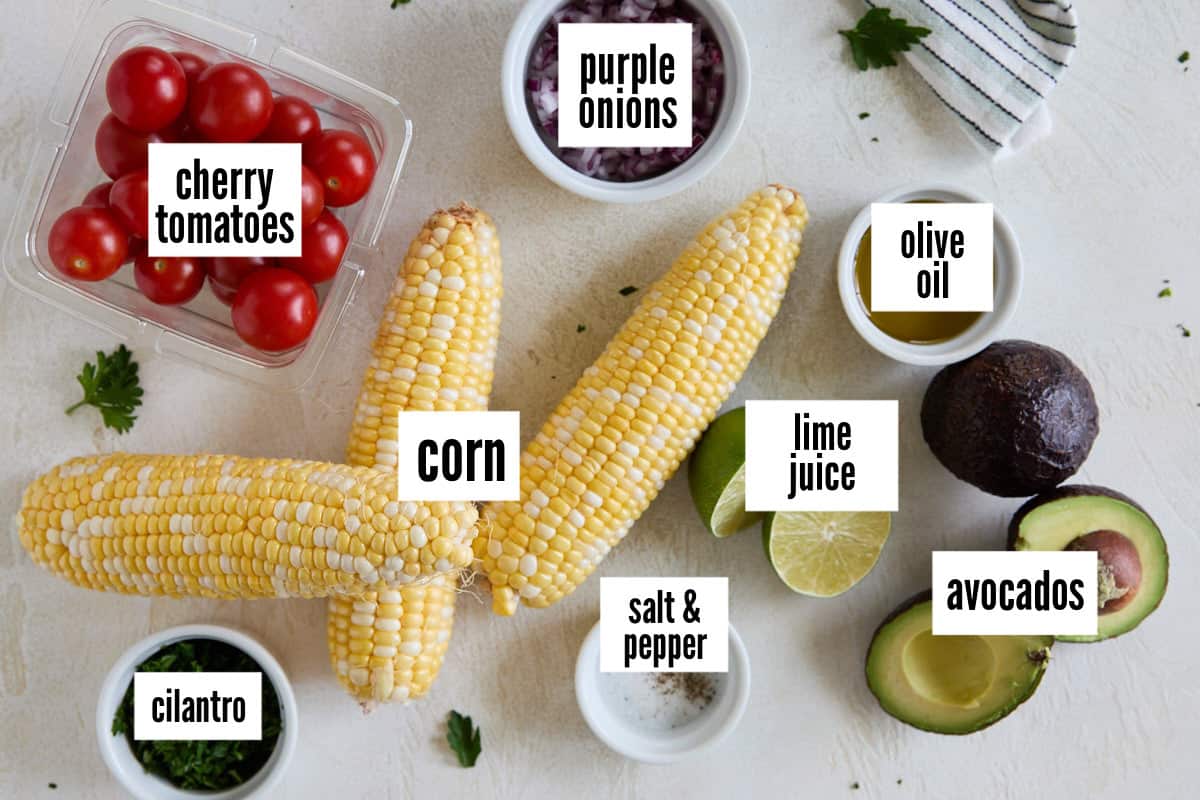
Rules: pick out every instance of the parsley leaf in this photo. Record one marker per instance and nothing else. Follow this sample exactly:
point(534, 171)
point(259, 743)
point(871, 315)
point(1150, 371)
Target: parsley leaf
point(111, 385)
point(878, 35)
point(1184, 57)
point(399, 3)
point(580, 328)
point(464, 738)
point(627, 290)
point(1184, 330)
point(1165, 292)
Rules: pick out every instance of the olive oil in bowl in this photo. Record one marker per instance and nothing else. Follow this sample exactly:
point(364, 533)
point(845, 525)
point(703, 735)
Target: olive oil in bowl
point(914, 327)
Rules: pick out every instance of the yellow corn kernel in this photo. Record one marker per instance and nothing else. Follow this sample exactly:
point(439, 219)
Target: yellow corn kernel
point(634, 415)
point(95, 545)
point(388, 646)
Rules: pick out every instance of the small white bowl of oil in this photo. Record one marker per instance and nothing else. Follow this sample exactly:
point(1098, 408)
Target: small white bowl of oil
point(661, 717)
point(925, 338)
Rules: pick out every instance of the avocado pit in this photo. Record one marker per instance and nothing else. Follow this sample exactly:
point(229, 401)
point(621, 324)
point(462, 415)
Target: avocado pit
point(1132, 560)
point(1118, 565)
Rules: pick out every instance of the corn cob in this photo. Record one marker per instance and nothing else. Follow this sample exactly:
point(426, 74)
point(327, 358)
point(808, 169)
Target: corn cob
point(389, 645)
point(225, 526)
point(634, 415)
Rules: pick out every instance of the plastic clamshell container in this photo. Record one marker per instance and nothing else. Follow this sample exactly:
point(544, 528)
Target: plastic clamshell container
point(63, 168)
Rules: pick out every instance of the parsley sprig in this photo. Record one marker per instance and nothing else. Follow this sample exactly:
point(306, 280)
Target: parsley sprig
point(878, 35)
point(111, 385)
point(465, 739)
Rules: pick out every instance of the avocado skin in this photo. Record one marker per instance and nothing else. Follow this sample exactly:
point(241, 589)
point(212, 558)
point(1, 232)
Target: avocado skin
point(925, 597)
point(1014, 420)
point(1087, 490)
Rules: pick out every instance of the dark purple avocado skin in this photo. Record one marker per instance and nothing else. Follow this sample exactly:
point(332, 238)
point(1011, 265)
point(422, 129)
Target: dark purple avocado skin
point(1015, 420)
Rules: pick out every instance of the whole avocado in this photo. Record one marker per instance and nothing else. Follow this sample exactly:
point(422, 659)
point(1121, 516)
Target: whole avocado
point(1015, 420)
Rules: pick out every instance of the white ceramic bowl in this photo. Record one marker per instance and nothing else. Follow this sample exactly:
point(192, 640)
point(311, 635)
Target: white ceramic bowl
point(985, 330)
point(730, 116)
point(661, 747)
point(119, 757)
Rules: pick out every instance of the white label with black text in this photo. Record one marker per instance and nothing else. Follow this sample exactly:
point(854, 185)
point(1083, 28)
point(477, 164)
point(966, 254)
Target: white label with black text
point(932, 257)
point(224, 200)
point(664, 624)
point(822, 455)
point(1022, 593)
point(224, 706)
point(458, 455)
point(622, 85)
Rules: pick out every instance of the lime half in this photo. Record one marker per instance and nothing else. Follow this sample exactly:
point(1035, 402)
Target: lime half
point(717, 475)
point(824, 553)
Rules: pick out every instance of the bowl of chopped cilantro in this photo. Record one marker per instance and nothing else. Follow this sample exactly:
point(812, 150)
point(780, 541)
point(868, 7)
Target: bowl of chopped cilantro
point(177, 769)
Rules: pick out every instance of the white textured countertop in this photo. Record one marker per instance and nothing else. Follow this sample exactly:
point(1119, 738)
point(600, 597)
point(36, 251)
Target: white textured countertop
point(1105, 210)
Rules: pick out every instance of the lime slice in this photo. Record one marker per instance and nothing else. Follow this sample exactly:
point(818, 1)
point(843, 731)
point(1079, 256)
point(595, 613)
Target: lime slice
point(824, 553)
point(717, 475)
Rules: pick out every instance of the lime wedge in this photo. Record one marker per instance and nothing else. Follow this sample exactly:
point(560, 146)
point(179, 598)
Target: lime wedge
point(717, 475)
point(824, 553)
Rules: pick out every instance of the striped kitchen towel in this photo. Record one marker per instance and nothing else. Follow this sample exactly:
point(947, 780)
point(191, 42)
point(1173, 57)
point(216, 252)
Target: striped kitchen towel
point(992, 62)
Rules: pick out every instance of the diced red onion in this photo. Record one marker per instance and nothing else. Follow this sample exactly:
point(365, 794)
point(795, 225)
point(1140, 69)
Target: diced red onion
point(627, 163)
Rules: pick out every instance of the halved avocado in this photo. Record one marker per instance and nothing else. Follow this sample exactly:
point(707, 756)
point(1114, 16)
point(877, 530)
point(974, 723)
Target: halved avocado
point(950, 684)
point(1132, 552)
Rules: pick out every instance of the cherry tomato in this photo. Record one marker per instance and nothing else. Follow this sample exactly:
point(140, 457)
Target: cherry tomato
point(232, 103)
point(312, 197)
point(88, 244)
point(345, 164)
point(223, 293)
point(230, 271)
point(169, 281)
point(292, 120)
point(275, 309)
point(130, 201)
point(137, 249)
point(97, 197)
point(181, 130)
point(322, 244)
point(146, 88)
point(192, 65)
point(121, 150)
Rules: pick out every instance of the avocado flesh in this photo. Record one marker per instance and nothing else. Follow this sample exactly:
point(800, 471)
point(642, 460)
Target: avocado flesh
point(950, 684)
point(1053, 520)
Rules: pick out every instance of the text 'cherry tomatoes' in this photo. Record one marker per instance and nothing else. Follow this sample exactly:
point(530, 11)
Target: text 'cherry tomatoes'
point(231, 103)
point(322, 246)
point(292, 120)
point(146, 88)
point(88, 244)
point(169, 281)
point(345, 164)
point(275, 309)
point(130, 201)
